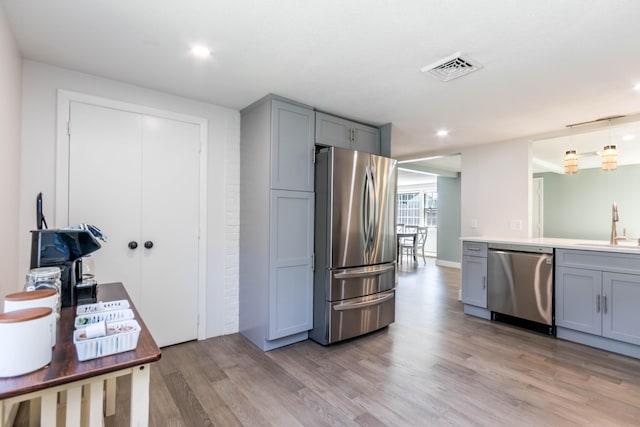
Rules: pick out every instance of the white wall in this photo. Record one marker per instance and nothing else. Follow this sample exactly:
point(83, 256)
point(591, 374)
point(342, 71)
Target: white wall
point(495, 190)
point(40, 83)
point(11, 277)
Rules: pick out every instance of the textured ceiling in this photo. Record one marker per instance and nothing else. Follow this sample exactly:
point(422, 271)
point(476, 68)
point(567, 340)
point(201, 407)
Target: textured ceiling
point(547, 63)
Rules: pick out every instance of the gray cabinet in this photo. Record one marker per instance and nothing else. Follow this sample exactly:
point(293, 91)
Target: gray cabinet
point(621, 307)
point(474, 278)
point(578, 299)
point(338, 132)
point(291, 277)
point(598, 299)
point(276, 222)
point(474, 281)
point(292, 133)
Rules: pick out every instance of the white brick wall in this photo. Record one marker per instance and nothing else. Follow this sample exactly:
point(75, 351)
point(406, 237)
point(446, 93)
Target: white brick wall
point(232, 232)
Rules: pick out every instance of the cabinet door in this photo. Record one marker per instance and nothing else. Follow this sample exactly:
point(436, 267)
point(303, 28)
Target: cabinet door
point(621, 307)
point(292, 132)
point(579, 300)
point(333, 131)
point(474, 281)
point(291, 271)
point(366, 138)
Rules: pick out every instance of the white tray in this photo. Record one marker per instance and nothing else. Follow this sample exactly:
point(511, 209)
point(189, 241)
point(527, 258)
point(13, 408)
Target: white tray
point(121, 337)
point(108, 316)
point(102, 306)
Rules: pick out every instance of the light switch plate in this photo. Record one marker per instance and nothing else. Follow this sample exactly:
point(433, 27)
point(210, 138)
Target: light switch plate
point(515, 225)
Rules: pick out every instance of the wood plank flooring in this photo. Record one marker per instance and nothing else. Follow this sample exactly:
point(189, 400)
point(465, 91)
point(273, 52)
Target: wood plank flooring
point(433, 366)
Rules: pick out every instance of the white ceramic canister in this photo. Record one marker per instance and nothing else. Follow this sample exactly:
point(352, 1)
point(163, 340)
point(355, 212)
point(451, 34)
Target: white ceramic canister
point(24, 340)
point(40, 298)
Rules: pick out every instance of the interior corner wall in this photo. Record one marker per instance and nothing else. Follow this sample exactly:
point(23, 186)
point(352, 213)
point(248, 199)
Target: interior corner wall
point(11, 277)
point(449, 245)
point(39, 110)
point(496, 190)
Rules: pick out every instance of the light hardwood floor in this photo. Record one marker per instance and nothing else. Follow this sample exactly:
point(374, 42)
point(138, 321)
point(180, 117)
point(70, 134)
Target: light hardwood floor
point(433, 366)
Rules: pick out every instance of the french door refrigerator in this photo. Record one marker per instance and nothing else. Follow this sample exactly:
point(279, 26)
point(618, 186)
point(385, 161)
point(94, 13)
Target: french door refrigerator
point(355, 244)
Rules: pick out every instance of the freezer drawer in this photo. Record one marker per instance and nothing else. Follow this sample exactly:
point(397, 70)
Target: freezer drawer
point(520, 284)
point(356, 282)
point(358, 316)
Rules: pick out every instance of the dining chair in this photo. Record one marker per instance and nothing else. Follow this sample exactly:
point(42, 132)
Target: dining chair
point(421, 239)
point(408, 244)
point(399, 228)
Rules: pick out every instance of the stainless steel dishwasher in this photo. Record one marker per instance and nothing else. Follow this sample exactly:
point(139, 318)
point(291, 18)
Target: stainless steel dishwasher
point(520, 286)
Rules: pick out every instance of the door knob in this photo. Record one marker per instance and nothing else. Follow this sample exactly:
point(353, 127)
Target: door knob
point(132, 244)
point(148, 244)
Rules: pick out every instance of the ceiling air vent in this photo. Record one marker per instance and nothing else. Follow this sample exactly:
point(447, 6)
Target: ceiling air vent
point(452, 67)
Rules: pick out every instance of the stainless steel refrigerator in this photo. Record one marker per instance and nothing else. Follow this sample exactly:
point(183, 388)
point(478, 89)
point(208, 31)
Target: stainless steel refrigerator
point(355, 244)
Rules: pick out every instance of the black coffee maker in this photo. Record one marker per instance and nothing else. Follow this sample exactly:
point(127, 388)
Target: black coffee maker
point(63, 248)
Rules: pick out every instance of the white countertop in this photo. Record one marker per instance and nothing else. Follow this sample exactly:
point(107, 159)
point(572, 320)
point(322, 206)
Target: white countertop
point(625, 246)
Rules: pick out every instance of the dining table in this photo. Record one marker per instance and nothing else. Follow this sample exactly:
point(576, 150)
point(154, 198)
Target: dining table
point(73, 393)
point(407, 235)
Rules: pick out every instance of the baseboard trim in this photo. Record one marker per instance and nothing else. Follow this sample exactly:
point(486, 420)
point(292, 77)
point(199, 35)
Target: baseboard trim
point(445, 263)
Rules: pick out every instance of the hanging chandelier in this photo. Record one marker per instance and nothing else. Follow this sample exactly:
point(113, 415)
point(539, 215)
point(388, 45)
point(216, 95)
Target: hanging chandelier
point(609, 155)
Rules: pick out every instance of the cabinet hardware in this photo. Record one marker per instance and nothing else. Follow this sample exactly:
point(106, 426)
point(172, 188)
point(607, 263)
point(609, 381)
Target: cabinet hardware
point(133, 244)
point(484, 282)
point(148, 244)
point(604, 302)
point(598, 303)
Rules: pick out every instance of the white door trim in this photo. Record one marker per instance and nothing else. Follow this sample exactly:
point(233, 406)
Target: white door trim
point(61, 218)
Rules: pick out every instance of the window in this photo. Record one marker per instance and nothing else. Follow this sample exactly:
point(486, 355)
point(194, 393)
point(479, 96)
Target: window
point(409, 209)
point(430, 209)
point(417, 208)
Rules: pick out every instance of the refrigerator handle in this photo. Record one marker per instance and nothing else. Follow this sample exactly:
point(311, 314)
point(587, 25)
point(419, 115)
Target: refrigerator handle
point(363, 272)
point(372, 209)
point(356, 305)
point(368, 211)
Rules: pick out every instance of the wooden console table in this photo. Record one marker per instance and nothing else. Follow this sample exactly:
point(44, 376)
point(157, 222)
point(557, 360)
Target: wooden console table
point(67, 379)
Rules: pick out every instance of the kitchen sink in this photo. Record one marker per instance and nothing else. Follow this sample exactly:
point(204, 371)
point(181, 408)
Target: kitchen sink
point(631, 244)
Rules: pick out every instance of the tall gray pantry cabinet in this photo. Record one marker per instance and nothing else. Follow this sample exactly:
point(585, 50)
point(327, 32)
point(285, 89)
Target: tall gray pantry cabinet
point(276, 222)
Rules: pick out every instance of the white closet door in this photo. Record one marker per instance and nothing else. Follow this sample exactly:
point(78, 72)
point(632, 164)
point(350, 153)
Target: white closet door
point(170, 200)
point(105, 155)
point(136, 177)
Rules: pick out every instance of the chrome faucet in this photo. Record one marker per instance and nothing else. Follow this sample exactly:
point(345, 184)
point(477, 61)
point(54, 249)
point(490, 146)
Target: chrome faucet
point(615, 218)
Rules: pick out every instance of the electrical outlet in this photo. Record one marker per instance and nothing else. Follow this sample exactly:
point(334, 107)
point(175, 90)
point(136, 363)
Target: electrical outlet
point(515, 225)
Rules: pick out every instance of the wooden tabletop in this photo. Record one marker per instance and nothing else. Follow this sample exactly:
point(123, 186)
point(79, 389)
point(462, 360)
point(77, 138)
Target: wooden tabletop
point(65, 367)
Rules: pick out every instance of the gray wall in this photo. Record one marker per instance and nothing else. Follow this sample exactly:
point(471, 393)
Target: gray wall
point(449, 246)
point(579, 206)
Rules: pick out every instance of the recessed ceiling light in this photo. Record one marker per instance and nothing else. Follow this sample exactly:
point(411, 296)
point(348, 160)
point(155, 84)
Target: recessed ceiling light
point(628, 137)
point(637, 87)
point(443, 132)
point(200, 51)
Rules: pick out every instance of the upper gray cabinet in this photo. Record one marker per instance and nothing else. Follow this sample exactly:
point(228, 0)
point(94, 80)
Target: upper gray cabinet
point(338, 132)
point(292, 144)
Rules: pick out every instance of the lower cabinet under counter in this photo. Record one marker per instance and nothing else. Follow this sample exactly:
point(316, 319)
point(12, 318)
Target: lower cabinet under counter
point(597, 296)
point(596, 304)
point(598, 301)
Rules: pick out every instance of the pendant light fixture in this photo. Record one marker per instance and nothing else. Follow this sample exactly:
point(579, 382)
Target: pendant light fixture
point(570, 159)
point(609, 155)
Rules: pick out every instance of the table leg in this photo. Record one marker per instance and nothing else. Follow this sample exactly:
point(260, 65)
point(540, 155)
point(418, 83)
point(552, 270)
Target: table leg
point(140, 396)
